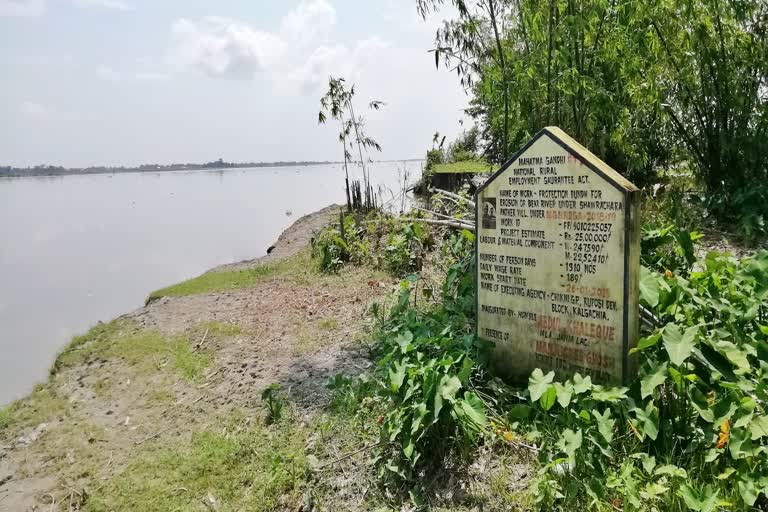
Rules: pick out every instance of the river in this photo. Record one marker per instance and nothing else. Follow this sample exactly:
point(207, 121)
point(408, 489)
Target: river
point(76, 250)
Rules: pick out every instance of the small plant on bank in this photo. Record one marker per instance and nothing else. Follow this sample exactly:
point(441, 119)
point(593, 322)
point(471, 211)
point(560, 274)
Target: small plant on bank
point(274, 402)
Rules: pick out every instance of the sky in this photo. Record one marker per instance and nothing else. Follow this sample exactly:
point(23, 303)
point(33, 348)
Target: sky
point(125, 82)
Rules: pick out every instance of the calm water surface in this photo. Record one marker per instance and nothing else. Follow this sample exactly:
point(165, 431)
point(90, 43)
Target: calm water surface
point(75, 250)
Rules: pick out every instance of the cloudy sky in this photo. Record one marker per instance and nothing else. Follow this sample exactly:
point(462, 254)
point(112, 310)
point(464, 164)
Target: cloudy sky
point(123, 82)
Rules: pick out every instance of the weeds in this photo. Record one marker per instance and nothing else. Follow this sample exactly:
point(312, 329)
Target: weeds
point(274, 402)
point(257, 469)
point(385, 243)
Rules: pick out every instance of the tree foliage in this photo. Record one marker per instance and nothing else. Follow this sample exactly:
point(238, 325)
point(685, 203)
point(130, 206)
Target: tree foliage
point(645, 85)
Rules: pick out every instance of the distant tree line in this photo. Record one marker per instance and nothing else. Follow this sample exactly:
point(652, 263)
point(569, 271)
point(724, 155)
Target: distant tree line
point(53, 170)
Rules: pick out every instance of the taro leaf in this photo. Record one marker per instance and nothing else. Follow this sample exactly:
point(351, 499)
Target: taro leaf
point(547, 400)
point(397, 376)
point(448, 387)
point(647, 342)
point(404, 340)
point(581, 384)
point(603, 394)
point(759, 427)
point(519, 412)
point(564, 393)
point(746, 410)
point(472, 408)
point(723, 410)
point(653, 380)
point(648, 420)
point(652, 490)
point(605, 424)
point(679, 345)
point(700, 502)
point(734, 354)
point(649, 287)
point(408, 448)
point(570, 443)
point(466, 370)
point(748, 490)
point(538, 383)
point(671, 470)
point(740, 443)
point(420, 412)
point(699, 402)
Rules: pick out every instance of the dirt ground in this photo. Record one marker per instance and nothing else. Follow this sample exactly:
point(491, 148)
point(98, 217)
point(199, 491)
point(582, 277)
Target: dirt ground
point(84, 426)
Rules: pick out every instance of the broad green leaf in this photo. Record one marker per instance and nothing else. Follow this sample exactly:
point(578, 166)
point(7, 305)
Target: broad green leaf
point(448, 387)
point(564, 393)
point(602, 394)
point(420, 412)
point(605, 424)
point(404, 340)
point(652, 490)
point(519, 412)
point(734, 354)
point(740, 443)
point(547, 400)
point(397, 376)
point(679, 345)
point(746, 411)
point(647, 420)
point(474, 410)
point(647, 342)
point(570, 442)
point(649, 287)
point(748, 490)
point(671, 470)
point(581, 384)
point(759, 427)
point(653, 380)
point(538, 383)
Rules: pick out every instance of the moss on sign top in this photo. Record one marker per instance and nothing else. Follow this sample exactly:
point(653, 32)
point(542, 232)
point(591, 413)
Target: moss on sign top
point(466, 166)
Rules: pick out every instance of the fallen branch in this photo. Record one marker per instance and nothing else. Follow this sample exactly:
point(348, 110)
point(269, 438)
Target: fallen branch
point(453, 224)
point(157, 434)
point(197, 347)
point(452, 195)
point(448, 217)
point(345, 457)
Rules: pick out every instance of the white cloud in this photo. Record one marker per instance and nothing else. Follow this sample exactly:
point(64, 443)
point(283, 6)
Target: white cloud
point(27, 8)
point(117, 5)
point(299, 54)
point(224, 47)
point(35, 110)
point(310, 22)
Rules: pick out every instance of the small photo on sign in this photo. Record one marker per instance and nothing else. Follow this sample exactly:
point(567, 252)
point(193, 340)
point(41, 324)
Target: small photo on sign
point(489, 213)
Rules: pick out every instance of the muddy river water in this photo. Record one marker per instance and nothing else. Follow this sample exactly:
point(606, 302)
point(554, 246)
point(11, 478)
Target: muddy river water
point(76, 250)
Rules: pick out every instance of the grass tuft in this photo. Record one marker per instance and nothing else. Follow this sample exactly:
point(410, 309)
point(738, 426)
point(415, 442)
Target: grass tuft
point(143, 350)
point(259, 469)
point(297, 268)
point(40, 406)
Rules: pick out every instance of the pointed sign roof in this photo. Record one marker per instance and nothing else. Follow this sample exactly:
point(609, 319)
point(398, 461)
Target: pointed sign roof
point(584, 155)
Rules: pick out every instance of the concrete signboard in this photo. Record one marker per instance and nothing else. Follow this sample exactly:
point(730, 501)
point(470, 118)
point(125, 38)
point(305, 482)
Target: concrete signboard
point(558, 257)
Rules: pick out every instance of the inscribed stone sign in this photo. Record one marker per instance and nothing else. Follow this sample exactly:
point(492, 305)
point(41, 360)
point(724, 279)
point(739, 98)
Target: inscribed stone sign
point(557, 263)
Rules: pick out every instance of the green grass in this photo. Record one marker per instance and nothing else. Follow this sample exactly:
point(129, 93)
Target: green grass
point(6, 417)
point(296, 267)
point(39, 407)
point(260, 469)
point(144, 350)
point(328, 324)
point(469, 166)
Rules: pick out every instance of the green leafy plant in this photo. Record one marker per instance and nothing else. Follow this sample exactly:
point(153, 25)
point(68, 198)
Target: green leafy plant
point(274, 402)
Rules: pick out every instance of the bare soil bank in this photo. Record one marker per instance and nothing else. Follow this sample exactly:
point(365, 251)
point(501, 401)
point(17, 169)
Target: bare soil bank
point(182, 365)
